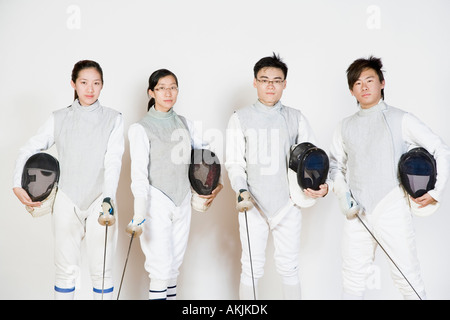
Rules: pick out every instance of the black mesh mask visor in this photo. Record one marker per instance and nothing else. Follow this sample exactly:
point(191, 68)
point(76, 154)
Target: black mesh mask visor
point(204, 171)
point(311, 164)
point(417, 172)
point(39, 176)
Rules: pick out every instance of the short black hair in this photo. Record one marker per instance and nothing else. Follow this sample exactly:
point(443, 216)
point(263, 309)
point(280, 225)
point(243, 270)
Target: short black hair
point(359, 65)
point(271, 62)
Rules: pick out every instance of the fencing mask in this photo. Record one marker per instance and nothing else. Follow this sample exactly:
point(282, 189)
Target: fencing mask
point(40, 178)
point(417, 173)
point(204, 174)
point(308, 168)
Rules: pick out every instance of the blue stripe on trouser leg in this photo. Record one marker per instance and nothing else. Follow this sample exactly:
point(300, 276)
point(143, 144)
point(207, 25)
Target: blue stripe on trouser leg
point(64, 293)
point(106, 295)
point(104, 291)
point(64, 290)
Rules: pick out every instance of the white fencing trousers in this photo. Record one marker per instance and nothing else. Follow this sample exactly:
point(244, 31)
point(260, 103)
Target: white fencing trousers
point(164, 239)
point(70, 226)
point(285, 228)
point(391, 223)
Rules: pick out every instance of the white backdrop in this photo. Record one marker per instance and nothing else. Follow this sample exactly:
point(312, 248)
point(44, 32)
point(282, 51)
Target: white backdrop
point(212, 46)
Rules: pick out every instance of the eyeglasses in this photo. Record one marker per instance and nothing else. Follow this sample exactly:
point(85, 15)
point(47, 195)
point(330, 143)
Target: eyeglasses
point(163, 89)
point(266, 82)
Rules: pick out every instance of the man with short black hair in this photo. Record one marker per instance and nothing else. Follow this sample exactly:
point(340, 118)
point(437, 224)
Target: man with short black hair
point(259, 138)
point(364, 158)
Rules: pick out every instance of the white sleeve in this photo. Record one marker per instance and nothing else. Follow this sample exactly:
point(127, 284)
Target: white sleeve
point(338, 162)
point(305, 132)
point(196, 137)
point(113, 159)
point(43, 140)
point(197, 141)
point(235, 155)
point(140, 157)
point(415, 132)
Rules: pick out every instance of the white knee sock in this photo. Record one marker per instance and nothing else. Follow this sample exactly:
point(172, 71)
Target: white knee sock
point(246, 292)
point(423, 296)
point(350, 296)
point(292, 292)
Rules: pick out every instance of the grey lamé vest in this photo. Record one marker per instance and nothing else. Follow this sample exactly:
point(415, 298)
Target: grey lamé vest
point(269, 133)
point(374, 144)
point(170, 153)
point(81, 138)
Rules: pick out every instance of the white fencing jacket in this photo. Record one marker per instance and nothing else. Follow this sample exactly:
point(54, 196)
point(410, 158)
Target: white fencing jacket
point(180, 136)
point(258, 142)
point(90, 144)
point(367, 147)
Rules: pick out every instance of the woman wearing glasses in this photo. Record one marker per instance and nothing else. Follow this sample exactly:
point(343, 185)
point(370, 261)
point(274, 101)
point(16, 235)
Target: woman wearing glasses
point(160, 150)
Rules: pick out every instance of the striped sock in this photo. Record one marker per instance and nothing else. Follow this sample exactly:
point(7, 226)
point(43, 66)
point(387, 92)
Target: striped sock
point(172, 292)
point(158, 290)
point(157, 294)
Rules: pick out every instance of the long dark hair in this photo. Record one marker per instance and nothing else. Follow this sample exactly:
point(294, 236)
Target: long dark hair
point(81, 65)
point(153, 81)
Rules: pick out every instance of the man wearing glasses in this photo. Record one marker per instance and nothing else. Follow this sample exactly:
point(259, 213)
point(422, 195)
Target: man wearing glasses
point(258, 142)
